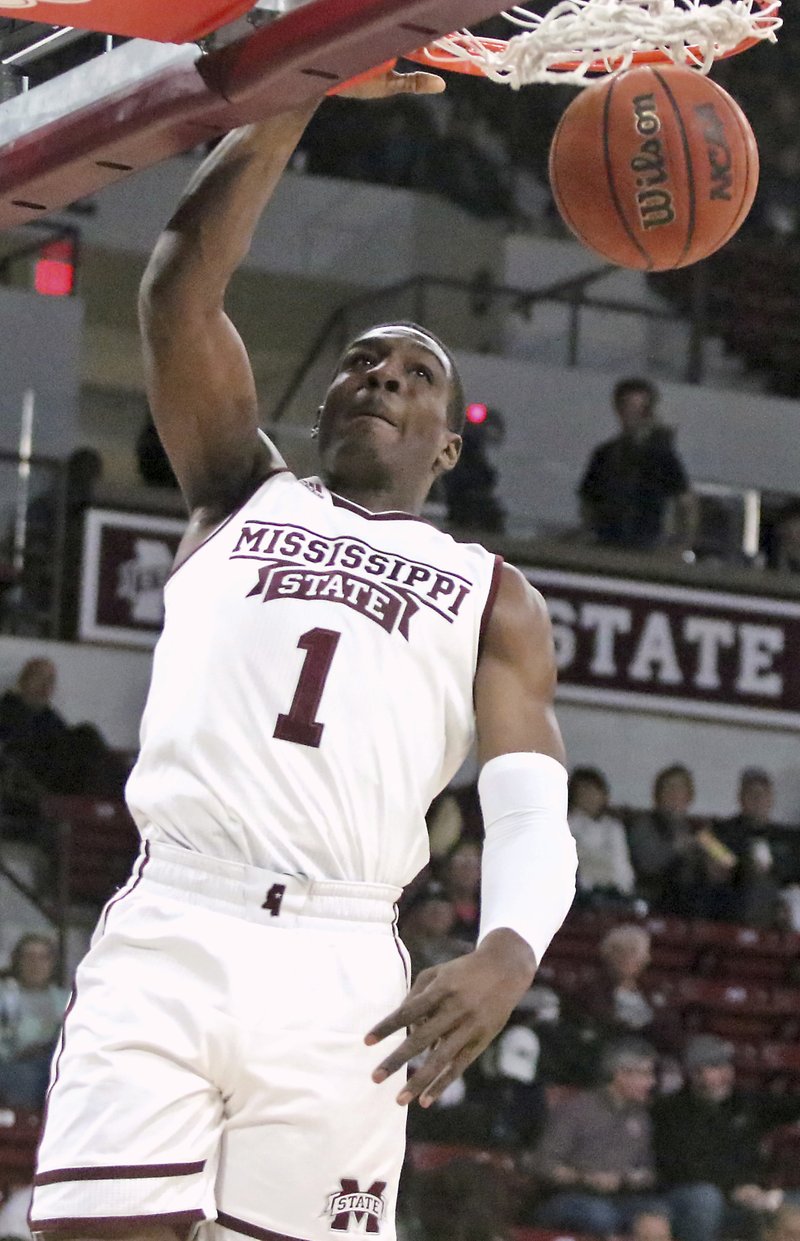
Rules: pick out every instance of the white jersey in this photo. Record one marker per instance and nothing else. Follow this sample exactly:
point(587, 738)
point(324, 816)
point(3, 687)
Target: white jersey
point(312, 689)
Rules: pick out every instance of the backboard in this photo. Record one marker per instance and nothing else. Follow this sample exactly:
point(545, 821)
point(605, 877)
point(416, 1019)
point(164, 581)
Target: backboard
point(147, 19)
point(144, 101)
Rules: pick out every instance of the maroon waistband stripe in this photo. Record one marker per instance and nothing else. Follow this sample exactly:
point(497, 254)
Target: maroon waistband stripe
point(118, 1172)
point(116, 1225)
point(251, 1230)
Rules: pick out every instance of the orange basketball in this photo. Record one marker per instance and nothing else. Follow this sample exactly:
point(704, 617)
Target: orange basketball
point(654, 169)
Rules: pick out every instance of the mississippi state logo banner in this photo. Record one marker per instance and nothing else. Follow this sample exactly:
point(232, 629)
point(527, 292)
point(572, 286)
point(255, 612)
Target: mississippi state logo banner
point(674, 650)
point(127, 558)
point(146, 19)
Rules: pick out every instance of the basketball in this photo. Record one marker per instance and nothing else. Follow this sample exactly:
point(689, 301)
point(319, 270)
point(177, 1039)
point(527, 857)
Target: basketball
point(654, 169)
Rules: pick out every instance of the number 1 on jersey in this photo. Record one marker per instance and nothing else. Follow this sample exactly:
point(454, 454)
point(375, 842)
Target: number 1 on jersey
point(299, 723)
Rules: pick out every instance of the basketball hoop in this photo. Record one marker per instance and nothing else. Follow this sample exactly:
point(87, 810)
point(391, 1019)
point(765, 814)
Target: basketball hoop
point(577, 38)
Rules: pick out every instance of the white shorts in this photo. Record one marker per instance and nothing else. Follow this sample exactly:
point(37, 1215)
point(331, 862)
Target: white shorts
point(212, 1065)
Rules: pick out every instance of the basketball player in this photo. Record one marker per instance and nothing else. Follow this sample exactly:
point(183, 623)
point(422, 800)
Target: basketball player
point(234, 1047)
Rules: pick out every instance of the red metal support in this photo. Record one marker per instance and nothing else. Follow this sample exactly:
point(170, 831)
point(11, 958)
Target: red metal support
point(285, 64)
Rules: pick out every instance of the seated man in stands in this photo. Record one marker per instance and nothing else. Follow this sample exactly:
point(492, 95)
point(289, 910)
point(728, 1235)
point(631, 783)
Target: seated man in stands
point(604, 863)
point(427, 928)
point(756, 885)
point(31, 1010)
point(27, 713)
point(60, 757)
point(595, 1157)
point(681, 868)
point(708, 1146)
point(632, 479)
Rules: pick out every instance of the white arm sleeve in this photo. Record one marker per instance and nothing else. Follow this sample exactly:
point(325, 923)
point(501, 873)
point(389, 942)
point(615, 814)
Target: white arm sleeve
point(529, 856)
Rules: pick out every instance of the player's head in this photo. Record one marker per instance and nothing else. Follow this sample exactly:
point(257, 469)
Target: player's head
point(393, 413)
point(635, 402)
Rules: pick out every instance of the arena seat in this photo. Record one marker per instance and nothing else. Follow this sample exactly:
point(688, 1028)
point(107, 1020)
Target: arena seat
point(19, 1138)
point(730, 938)
point(98, 842)
point(568, 976)
point(783, 1148)
point(744, 953)
point(549, 1234)
point(721, 996)
point(426, 1156)
point(781, 1057)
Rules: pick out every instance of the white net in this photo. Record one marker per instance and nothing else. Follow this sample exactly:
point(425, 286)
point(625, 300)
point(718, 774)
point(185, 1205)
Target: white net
point(578, 37)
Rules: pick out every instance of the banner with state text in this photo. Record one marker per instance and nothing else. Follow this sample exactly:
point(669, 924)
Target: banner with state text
point(673, 649)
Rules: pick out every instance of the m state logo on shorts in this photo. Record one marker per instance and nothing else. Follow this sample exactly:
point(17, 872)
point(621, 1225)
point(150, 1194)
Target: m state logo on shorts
point(350, 1205)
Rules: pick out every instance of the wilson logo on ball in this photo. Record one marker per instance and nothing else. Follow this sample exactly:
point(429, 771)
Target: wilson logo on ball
point(650, 166)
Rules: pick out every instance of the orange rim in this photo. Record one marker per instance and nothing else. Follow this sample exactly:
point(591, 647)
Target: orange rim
point(436, 58)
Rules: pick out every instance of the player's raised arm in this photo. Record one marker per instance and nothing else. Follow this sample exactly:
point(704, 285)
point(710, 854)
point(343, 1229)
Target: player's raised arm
point(529, 861)
point(199, 379)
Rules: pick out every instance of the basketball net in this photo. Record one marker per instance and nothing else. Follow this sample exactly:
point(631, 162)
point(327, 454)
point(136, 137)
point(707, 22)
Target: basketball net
point(581, 37)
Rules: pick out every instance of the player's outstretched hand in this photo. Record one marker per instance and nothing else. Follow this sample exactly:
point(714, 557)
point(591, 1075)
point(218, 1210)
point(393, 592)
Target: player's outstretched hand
point(453, 1011)
point(383, 85)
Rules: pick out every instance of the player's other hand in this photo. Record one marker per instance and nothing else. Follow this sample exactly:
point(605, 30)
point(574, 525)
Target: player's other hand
point(390, 82)
point(453, 1011)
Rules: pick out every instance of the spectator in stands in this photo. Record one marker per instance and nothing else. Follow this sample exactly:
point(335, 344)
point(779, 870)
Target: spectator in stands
point(632, 479)
point(428, 923)
point(461, 877)
point(471, 178)
point(27, 710)
point(567, 1054)
point(470, 488)
point(786, 539)
point(756, 881)
point(61, 758)
point(31, 1010)
point(605, 872)
point(596, 1157)
point(708, 1146)
point(620, 1002)
point(784, 1225)
point(28, 720)
point(681, 868)
point(652, 1226)
point(507, 1086)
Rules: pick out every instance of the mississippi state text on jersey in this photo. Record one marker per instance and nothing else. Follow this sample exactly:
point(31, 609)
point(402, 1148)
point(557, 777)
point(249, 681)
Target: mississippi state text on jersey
point(312, 690)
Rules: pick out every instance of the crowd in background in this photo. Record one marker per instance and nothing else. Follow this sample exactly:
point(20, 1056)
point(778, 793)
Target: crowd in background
point(616, 1117)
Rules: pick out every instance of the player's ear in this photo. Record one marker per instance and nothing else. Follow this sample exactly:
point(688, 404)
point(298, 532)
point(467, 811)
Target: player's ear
point(449, 454)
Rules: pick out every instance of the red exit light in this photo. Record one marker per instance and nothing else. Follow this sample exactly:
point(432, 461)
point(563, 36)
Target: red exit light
point(54, 275)
point(476, 413)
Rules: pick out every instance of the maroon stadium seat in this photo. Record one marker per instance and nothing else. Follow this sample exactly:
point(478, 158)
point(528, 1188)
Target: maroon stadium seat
point(98, 844)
